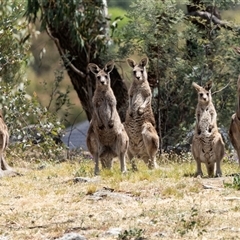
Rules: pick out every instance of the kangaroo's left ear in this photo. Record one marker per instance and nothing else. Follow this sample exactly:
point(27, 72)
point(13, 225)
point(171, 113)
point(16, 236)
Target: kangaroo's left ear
point(208, 85)
point(196, 86)
point(131, 62)
point(143, 62)
point(93, 68)
point(109, 67)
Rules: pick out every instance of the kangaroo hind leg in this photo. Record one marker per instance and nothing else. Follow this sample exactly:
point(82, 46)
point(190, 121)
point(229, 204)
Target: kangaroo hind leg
point(122, 148)
point(151, 143)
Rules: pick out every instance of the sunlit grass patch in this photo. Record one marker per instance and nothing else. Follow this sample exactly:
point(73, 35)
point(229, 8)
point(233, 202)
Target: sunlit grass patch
point(195, 186)
point(172, 191)
point(84, 169)
point(91, 189)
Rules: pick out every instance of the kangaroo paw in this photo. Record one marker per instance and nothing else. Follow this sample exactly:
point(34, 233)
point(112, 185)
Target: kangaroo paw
point(110, 124)
point(140, 111)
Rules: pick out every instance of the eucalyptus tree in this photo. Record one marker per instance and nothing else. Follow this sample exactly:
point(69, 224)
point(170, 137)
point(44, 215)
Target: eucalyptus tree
point(20, 109)
point(80, 30)
point(185, 42)
point(13, 41)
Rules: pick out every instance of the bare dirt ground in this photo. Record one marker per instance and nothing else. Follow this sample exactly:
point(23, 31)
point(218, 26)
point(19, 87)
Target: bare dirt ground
point(50, 200)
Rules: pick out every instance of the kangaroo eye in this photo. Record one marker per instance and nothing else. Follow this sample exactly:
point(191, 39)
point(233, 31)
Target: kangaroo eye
point(201, 94)
point(141, 71)
point(207, 94)
point(98, 77)
point(134, 72)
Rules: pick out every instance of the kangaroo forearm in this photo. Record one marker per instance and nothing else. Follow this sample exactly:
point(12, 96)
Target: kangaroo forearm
point(111, 116)
point(213, 119)
point(146, 102)
point(130, 102)
point(100, 122)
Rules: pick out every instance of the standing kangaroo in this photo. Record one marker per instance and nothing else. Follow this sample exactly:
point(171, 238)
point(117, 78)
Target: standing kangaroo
point(5, 169)
point(234, 130)
point(106, 137)
point(207, 144)
point(140, 122)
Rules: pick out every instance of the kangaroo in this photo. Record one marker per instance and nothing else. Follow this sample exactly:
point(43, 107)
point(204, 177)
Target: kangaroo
point(140, 122)
point(234, 129)
point(5, 169)
point(106, 137)
point(207, 144)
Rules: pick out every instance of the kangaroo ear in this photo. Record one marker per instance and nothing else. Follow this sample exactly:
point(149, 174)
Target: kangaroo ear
point(208, 85)
point(93, 68)
point(143, 62)
point(196, 86)
point(131, 62)
point(109, 67)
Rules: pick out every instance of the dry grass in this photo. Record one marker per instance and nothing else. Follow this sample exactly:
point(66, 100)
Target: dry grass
point(166, 203)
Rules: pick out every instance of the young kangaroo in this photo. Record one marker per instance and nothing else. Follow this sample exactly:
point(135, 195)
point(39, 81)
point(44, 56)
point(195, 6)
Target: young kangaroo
point(5, 169)
point(140, 122)
point(207, 144)
point(234, 130)
point(106, 137)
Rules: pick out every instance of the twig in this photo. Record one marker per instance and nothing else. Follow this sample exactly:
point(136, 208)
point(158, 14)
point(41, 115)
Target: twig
point(83, 75)
point(211, 187)
point(221, 88)
point(48, 225)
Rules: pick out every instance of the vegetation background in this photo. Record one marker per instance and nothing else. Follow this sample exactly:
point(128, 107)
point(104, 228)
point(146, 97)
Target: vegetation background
point(57, 192)
point(173, 93)
point(158, 30)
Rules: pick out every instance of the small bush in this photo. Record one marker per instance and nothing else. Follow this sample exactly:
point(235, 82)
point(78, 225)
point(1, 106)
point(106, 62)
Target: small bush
point(135, 233)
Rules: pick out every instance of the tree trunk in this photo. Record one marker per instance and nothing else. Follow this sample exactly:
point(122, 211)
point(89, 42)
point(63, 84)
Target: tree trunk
point(76, 59)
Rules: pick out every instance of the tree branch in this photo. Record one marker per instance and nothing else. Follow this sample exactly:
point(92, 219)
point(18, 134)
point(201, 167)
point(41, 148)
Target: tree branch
point(211, 18)
point(222, 88)
point(83, 75)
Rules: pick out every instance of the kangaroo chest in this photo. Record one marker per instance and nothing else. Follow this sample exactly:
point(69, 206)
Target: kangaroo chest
point(107, 137)
point(138, 94)
point(105, 106)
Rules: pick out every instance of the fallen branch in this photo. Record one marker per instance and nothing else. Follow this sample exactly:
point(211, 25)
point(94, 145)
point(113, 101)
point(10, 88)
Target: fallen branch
point(231, 198)
point(50, 224)
point(211, 187)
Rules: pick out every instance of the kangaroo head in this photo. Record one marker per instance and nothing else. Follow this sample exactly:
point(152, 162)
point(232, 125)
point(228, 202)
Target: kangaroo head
point(204, 93)
point(139, 70)
point(102, 75)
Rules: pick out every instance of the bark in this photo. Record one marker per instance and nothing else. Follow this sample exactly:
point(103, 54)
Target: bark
point(76, 60)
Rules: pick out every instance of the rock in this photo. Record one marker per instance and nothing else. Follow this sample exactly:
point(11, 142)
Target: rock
point(113, 231)
point(3, 237)
point(86, 179)
point(72, 236)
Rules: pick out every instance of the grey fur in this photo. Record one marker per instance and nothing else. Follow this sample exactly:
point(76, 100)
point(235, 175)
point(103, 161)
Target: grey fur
point(5, 169)
point(207, 145)
point(106, 137)
point(140, 122)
